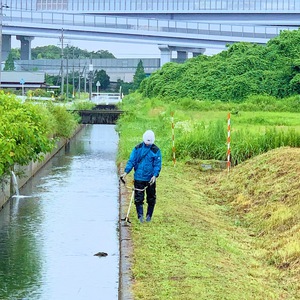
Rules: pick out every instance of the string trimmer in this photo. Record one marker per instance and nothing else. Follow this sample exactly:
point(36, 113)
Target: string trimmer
point(126, 219)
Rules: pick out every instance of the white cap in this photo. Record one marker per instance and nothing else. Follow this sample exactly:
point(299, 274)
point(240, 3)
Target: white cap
point(149, 137)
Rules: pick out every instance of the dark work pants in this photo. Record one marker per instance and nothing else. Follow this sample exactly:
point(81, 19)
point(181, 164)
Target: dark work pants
point(139, 196)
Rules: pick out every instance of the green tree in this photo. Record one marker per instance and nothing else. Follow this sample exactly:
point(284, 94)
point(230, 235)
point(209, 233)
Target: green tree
point(79, 53)
point(9, 63)
point(102, 54)
point(103, 78)
point(243, 69)
point(13, 55)
point(126, 87)
point(139, 75)
point(54, 52)
point(46, 52)
point(25, 132)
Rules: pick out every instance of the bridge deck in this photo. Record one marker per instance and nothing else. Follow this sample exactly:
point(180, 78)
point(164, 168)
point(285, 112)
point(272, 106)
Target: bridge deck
point(102, 116)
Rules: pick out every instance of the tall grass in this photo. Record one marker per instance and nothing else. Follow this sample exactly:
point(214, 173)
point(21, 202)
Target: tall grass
point(270, 103)
point(210, 142)
point(245, 144)
point(65, 122)
point(81, 105)
point(203, 141)
point(203, 134)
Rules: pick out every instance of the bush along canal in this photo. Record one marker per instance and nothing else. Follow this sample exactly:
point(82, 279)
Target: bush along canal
point(59, 239)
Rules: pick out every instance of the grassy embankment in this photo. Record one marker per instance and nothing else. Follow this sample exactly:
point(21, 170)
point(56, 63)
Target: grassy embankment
point(216, 235)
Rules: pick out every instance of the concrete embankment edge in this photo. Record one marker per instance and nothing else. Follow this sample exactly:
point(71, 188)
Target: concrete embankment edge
point(28, 171)
point(125, 245)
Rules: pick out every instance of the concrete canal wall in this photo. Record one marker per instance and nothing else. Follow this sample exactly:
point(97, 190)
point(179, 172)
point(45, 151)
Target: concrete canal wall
point(125, 243)
point(24, 173)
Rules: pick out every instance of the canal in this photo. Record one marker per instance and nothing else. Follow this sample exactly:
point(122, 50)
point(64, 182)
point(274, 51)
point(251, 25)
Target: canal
point(67, 213)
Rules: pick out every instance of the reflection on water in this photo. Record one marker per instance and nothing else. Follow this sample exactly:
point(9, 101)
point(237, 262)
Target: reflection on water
point(48, 239)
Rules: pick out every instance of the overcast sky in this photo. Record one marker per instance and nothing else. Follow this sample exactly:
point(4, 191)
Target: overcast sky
point(119, 50)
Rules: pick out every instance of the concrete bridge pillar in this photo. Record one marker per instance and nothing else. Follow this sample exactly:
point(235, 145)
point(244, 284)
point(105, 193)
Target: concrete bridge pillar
point(182, 56)
point(6, 46)
point(25, 46)
point(197, 52)
point(165, 54)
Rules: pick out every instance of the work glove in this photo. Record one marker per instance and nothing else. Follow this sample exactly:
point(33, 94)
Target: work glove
point(122, 177)
point(152, 180)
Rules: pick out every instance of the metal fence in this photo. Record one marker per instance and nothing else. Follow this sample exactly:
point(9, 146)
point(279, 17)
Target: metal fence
point(53, 66)
point(146, 6)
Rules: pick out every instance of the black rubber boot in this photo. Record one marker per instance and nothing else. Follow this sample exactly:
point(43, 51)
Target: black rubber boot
point(149, 212)
point(140, 212)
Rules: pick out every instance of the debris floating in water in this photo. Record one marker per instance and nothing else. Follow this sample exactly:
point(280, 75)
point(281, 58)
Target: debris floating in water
point(101, 254)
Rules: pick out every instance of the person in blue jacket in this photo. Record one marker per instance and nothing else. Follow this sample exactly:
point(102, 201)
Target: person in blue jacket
point(145, 159)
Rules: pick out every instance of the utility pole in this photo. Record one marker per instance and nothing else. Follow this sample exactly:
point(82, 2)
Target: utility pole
point(73, 79)
point(62, 63)
point(67, 79)
point(1, 19)
point(85, 79)
point(90, 78)
point(1, 40)
point(79, 79)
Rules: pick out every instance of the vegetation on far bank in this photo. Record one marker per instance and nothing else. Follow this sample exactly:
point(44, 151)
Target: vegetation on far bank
point(28, 130)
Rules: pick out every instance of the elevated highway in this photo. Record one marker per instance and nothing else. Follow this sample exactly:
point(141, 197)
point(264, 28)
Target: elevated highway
point(169, 35)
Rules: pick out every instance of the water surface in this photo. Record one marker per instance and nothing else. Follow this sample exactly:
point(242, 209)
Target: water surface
point(48, 239)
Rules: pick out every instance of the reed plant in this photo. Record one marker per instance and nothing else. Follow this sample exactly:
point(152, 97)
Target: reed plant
point(203, 141)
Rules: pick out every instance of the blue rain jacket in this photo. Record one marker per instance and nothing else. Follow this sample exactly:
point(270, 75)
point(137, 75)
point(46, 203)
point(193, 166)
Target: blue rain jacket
point(146, 162)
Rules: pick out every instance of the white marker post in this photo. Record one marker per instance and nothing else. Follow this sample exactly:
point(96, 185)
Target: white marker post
point(173, 138)
point(22, 82)
point(228, 142)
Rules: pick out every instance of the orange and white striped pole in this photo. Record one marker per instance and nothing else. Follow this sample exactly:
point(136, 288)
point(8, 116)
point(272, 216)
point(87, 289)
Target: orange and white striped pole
point(228, 142)
point(173, 138)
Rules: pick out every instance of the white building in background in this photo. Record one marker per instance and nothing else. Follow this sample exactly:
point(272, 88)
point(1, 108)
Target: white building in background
point(116, 69)
point(25, 80)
